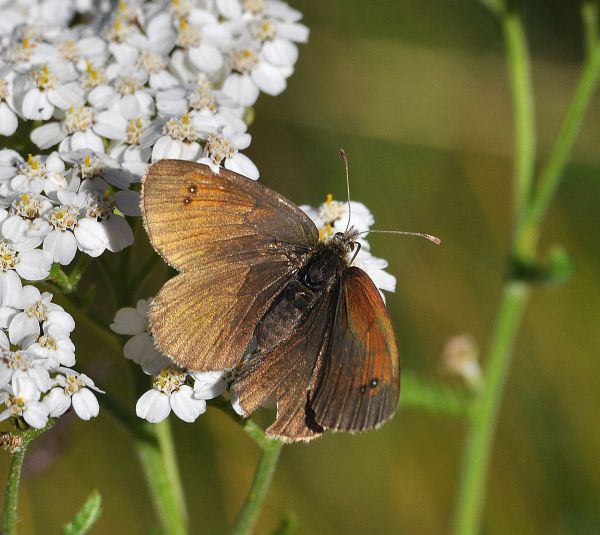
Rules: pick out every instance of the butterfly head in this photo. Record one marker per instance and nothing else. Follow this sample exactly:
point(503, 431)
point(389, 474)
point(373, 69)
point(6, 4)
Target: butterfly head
point(346, 242)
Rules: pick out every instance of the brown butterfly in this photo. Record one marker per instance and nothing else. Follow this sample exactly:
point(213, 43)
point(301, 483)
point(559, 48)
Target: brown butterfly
point(257, 290)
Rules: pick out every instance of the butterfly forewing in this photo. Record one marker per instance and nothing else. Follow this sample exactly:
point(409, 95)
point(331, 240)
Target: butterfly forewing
point(195, 217)
point(358, 385)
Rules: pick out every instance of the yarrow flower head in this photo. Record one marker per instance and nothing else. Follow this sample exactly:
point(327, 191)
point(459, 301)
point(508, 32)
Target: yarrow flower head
point(35, 346)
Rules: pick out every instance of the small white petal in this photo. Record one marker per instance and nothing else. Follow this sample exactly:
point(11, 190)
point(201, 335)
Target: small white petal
point(102, 97)
point(59, 323)
point(118, 233)
point(85, 404)
point(36, 105)
point(57, 402)
point(24, 330)
point(10, 288)
point(47, 135)
point(91, 237)
point(66, 96)
point(185, 406)
point(36, 414)
point(243, 165)
point(25, 387)
point(86, 140)
point(206, 58)
point(8, 120)
point(153, 406)
point(208, 385)
point(110, 125)
point(129, 321)
point(241, 88)
point(268, 78)
point(280, 52)
point(61, 245)
point(236, 405)
point(34, 265)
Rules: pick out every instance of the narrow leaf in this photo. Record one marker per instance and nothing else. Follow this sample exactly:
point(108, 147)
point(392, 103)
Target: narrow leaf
point(86, 517)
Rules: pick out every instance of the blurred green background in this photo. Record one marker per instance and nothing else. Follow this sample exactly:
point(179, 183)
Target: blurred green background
point(416, 92)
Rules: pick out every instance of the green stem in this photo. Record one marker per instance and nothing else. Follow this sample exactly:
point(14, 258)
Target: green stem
point(519, 69)
point(552, 172)
point(589, 17)
point(158, 460)
point(10, 515)
point(529, 214)
point(68, 283)
point(248, 515)
point(11, 492)
point(484, 416)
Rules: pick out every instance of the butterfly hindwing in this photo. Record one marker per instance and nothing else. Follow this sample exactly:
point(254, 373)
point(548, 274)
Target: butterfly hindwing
point(285, 373)
point(204, 320)
point(358, 385)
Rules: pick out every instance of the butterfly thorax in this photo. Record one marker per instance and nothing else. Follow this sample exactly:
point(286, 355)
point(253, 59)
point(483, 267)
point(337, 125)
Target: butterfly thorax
point(319, 274)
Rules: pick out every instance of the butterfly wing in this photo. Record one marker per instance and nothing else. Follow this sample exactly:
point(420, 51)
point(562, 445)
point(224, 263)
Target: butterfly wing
point(205, 319)
point(194, 217)
point(358, 385)
point(236, 243)
point(285, 372)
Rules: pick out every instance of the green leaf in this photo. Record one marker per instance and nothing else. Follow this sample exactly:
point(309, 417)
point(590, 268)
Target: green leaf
point(433, 396)
point(86, 517)
point(288, 525)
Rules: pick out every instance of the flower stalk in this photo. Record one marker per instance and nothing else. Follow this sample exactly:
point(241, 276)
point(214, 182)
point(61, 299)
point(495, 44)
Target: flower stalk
point(250, 511)
point(156, 451)
point(10, 515)
point(531, 202)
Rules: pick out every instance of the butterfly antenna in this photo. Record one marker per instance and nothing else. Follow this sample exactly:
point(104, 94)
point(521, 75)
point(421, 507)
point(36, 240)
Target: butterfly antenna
point(345, 160)
point(429, 237)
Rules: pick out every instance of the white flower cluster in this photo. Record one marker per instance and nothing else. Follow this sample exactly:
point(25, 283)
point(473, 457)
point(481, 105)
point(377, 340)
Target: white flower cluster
point(184, 391)
point(52, 206)
point(126, 85)
point(36, 353)
point(156, 80)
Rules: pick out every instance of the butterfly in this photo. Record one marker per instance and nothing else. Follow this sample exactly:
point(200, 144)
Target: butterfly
point(259, 292)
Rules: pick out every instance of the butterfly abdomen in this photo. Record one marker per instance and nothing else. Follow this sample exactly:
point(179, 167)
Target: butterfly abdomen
point(296, 301)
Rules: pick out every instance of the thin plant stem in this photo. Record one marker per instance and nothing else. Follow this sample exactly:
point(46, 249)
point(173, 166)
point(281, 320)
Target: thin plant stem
point(484, 414)
point(250, 511)
point(589, 17)
point(159, 464)
point(552, 172)
point(529, 216)
point(519, 69)
point(10, 515)
point(11, 491)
